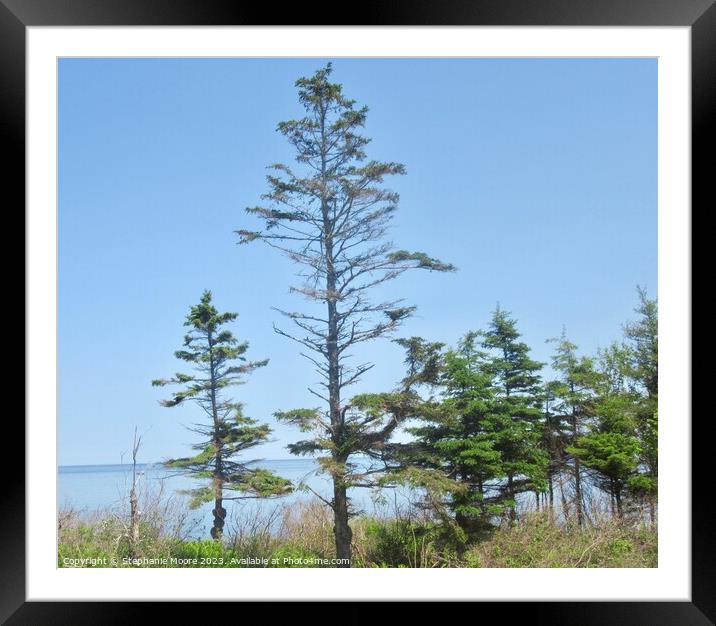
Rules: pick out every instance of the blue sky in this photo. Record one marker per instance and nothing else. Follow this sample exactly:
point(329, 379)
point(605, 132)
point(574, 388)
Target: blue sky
point(536, 177)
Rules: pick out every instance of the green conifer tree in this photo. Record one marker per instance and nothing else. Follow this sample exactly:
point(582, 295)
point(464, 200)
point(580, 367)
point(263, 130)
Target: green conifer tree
point(218, 362)
point(553, 440)
point(518, 408)
point(455, 443)
point(610, 447)
point(642, 339)
point(476, 446)
point(572, 408)
point(622, 444)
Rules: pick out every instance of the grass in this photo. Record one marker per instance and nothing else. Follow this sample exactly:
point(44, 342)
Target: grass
point(538, 542)
point(301, 536)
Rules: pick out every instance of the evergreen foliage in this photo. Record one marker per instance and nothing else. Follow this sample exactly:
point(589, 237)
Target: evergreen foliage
point(487, 429)
point(477, 444)
point(218, 362)
point(620, 396)
point(519, 402)
point(572, 407)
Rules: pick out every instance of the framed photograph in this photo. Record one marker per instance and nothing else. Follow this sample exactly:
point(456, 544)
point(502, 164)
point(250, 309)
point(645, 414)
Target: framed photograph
point(397, 304)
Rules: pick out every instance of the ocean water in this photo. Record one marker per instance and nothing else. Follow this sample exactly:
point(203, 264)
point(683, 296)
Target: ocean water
point(96, 489)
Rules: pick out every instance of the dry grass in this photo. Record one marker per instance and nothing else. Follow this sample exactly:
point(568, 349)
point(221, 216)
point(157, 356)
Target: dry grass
point(540, 542)
point(402, 538)
point(308, 524)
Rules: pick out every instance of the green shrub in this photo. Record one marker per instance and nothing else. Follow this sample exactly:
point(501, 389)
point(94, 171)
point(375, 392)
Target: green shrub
point(620, 547)
point(399, 543)
point(203, 548)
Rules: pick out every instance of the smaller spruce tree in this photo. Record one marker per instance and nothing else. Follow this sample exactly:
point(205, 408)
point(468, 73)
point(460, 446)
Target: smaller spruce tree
point(642, 342)
point(572, 409)
point(519, 415)
point(455, 442)
point(218, 362)
point(611, 447)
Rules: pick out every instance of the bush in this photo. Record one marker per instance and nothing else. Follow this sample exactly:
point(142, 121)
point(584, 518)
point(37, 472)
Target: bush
point(202, 549)
point(400, 543)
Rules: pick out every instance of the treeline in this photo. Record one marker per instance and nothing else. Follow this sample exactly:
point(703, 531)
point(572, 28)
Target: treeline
point(489, 428)
point(493, 428)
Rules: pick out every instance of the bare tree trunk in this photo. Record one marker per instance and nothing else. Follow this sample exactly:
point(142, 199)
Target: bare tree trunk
point(565, 502)
point(578, 492)
point(618, 499)
point(341, 529)
point(577, 473)
point(134, 500)
point(511, 496)
point(219, 512)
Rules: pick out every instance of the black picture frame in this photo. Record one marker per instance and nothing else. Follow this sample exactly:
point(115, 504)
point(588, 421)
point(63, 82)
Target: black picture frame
point(700, 15)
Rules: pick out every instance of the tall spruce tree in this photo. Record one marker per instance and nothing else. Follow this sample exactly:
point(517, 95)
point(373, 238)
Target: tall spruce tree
point(218, 362)
point(518, 407)
point(329, 215)
point(572, 408)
